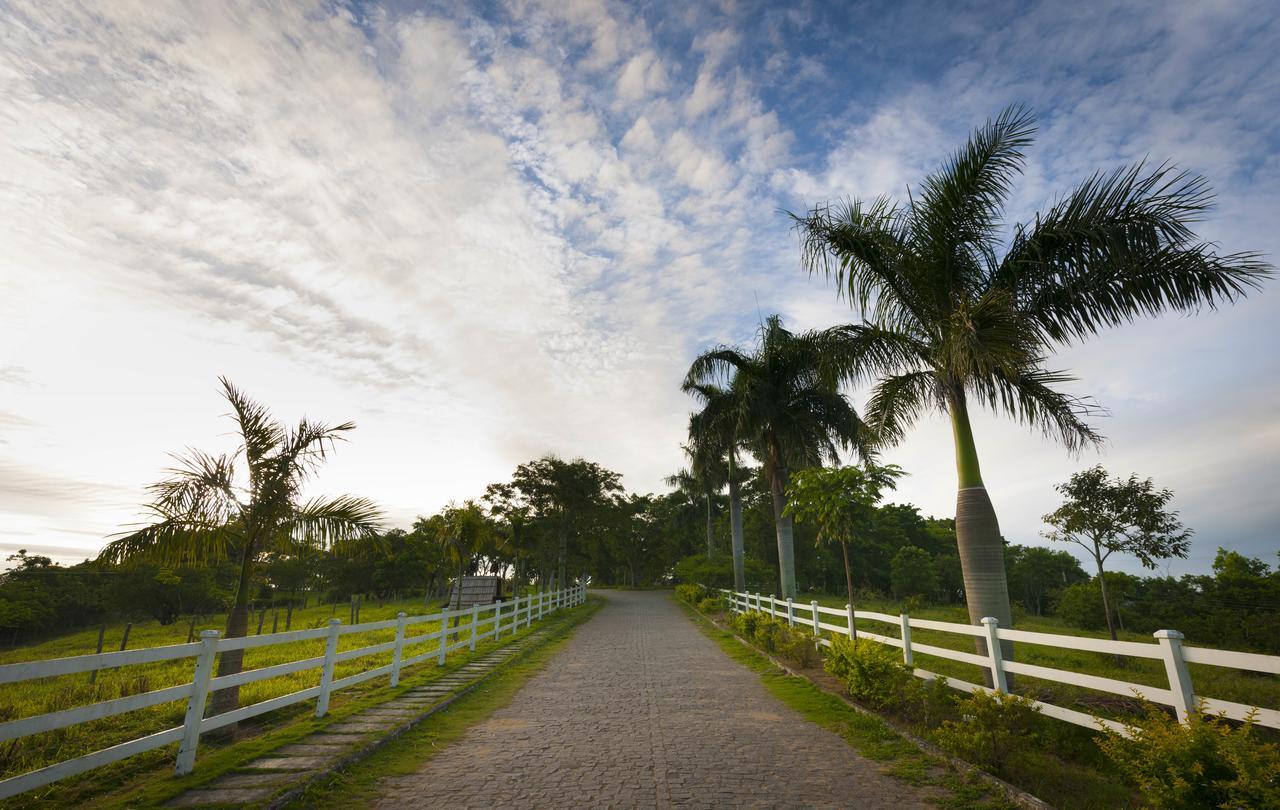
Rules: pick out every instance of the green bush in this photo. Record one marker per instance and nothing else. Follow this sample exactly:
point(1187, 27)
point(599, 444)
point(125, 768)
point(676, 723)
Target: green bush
point(872, 672)
point(770, 633)
point(800, 648)
point(992, 725)
point(693, 594)
point(928, 701)
point(1207, 763)
point(744, 624)
point(711, 604)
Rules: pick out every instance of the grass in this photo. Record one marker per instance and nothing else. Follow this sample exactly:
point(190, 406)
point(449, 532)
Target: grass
point(867, 734)
point(1255, 689)
point(357, 786)
point(54, 694)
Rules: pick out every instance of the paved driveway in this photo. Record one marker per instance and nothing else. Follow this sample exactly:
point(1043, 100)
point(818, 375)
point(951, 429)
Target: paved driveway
point(640, 709)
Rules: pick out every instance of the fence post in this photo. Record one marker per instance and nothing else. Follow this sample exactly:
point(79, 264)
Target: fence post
point(992, 624)
point(515, 615)
point(791, 612)
point(475, 624)
point(497, 619)
point(849, 623)
point(444, 637)
point(817, 625)
point(399, 651)
point(907, 657)
point(326, 671)
point(1175, 666)
point(195, 703)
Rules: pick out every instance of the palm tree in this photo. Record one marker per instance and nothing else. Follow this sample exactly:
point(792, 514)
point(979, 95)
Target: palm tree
point(700, 480)
point(207, 513)
point(951, 323)
point(463, 532)
point(788, 409)
point(714, 428)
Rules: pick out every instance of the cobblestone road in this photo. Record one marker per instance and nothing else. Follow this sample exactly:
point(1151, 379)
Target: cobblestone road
point(640, 709)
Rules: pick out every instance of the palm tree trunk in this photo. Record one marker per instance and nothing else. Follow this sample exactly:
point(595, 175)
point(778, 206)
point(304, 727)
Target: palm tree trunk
point(980, 546)
point(735, 528)
point(564, 551)
point(711, 541)
point(232, 661)
point(785, 530)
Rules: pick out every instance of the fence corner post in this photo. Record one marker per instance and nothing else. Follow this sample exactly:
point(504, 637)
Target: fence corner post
point(399, 650)
point(475, 624)
point(1175, 666)
point(791, 612)
point(994, 653)
point(907, 657)
point(195, 703)
point(326, 670)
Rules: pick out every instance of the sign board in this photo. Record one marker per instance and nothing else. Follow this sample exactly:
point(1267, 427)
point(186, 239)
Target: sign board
point(475, 591)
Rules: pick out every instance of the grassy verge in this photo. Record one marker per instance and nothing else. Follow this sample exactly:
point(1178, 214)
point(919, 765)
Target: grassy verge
point(358, 784)
point(146, 779)
point(870, 736)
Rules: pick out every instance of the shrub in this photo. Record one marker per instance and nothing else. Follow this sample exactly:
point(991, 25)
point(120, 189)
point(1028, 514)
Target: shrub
point(928, 701)
point(693, 594)
point(993, 724)
point(711, 604)
point(1207, 763)
point(770, 633)
point(872, 672)
point(745, 623)
point(800, 648)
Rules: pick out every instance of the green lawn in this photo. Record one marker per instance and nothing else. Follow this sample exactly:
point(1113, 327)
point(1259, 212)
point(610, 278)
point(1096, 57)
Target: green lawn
point(1257, 689)
point(68, 691)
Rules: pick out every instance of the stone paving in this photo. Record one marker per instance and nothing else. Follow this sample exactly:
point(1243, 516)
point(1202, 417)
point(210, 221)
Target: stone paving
point(292, 765)
point(641, 709)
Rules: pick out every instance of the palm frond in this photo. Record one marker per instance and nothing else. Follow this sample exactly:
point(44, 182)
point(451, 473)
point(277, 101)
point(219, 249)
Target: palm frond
point(343, 522)
point(176, 541)
point(898, 401)
point(1120, 246)
point(1030, 398)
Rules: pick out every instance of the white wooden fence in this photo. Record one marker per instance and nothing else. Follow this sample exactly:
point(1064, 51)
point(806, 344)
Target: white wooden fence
point(505, 618)
point(1168, 648)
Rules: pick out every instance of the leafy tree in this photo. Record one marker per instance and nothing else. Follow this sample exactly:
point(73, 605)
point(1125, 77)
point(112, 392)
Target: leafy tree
point(206, 513)
point(1037, 574)
point(788, 409)
point(952, 323)
point(1081, 604)
point(913, 573)
point(462, 532)
point(1106, 515)
point(841, 503)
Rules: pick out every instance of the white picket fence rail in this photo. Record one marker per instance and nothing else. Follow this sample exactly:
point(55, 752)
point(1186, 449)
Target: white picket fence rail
point(504, 618)
point(1168, 648)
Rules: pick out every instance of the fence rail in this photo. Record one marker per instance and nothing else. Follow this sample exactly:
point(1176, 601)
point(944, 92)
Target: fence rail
point(1168, 648)
point(502, 619)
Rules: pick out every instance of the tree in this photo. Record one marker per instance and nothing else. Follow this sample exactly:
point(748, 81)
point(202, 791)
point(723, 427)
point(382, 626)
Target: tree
point(1037, 574)
point(788, 409)
point(462, 533)
point(913, 573)
point(951, 323)
point(841, 503)
point(714, 431)
point(1105, 516)
point(209, 510)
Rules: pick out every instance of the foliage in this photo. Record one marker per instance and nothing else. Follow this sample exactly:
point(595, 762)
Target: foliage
point(1209, 762)
point(873, 673)
point(1037, 575)
point(912, 573)
point(744, 623)
point(1081, 604)
point(717, 571)
point(711, 604)
point(992, 726)
point(692, 593)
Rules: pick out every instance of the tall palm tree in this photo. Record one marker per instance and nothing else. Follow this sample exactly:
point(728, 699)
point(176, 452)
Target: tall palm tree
point(208, 512)
point(699, 481)
point(950, 322)
point(788, 409)
point(715, 429)
point(463, 533)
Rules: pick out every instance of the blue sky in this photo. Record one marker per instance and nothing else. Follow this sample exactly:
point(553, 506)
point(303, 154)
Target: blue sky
point(488, 231)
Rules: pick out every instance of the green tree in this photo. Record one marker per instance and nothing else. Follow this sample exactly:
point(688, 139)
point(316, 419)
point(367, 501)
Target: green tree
point(1105, 516)
point(1037, 574)
point(209, 510)
point(788, 409)
point(952, 323)
point(841, 503)
point(714, 431)
point(462, 532)
point(913, 573)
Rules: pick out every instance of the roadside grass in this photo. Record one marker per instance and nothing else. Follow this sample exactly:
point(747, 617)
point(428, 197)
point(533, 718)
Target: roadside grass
point(54, 694)
point(1253, 688)
point(869, 735)
point(358, 785)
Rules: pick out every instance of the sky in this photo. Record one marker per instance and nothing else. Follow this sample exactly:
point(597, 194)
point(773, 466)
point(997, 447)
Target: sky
point(488, 231)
